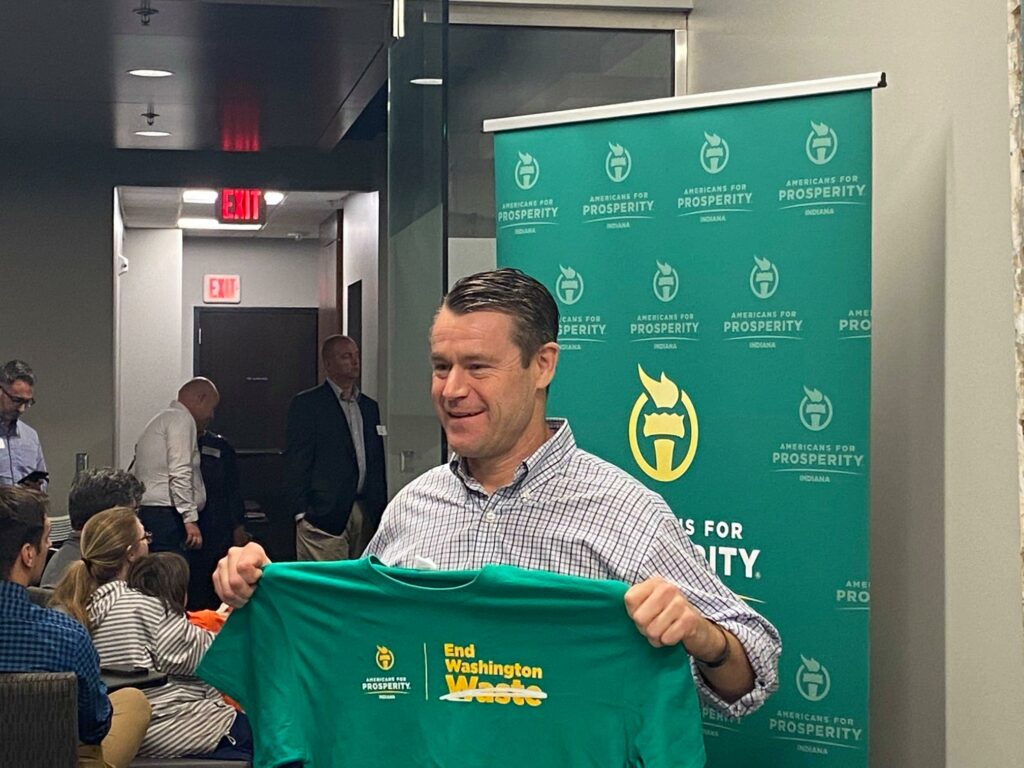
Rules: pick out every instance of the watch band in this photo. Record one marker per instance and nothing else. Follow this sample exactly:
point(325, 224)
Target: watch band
point(721, 658)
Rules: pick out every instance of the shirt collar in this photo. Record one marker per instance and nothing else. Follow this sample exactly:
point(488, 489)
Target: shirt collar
point(337, 391)
point(12, 430)
point(10, 590)
point(179, 407)
point(551, 453)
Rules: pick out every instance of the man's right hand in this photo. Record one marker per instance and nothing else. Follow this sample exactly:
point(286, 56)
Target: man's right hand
point(237, 573)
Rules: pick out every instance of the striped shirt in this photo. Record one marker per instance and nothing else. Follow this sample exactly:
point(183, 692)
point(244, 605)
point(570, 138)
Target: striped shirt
point(569, 512)
point(35, 639)
point(189, 716)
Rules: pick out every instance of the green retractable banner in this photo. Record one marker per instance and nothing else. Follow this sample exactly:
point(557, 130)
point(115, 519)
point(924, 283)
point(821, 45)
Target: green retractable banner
point(713, 270)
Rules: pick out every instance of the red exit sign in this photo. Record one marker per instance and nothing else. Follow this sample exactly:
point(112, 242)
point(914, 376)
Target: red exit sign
point(241, 206)
point(222, 289)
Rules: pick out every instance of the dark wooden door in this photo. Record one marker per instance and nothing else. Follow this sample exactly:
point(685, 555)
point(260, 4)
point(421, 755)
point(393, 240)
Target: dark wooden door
point(259, 359)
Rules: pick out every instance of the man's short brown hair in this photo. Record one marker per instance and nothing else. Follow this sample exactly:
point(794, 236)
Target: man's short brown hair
point(22, 521)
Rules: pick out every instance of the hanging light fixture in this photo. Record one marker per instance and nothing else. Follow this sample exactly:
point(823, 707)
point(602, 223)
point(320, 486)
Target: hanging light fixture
point(152, 131)
point(145, 12)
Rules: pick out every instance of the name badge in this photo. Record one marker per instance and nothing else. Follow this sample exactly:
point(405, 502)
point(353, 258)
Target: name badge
point(382, 430)
point(209, 450)
point(4, 445)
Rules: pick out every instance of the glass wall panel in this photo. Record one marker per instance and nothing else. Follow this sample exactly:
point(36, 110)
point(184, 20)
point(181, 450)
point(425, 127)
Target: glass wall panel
point(503, 71)
point(417, 202)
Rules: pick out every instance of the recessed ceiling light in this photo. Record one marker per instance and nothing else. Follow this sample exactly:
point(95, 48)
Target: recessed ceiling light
point(427, 81)
point(199, 196)
point(150, 72)
point(273, 198)
point(156, 134)
point(197, 222)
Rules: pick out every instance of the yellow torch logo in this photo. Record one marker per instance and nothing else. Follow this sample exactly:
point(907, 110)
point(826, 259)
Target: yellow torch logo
point(666, 426)
point(385, 658)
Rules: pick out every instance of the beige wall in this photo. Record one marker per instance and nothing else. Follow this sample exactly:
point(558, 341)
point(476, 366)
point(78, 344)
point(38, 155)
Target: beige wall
point(57, 277)
point(148, 347)
point(947, 683)
point(361, 249)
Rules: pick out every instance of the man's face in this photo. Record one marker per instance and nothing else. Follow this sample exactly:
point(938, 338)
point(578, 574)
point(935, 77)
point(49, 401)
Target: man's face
point(39, 563)
point(15, 399)
point(484, 397)
point(342, 362)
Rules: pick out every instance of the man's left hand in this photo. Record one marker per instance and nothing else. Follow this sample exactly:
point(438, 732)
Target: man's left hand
point(193, 536)
point(665, 617)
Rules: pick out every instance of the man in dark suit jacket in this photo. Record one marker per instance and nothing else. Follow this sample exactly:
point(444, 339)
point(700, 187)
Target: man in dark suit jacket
point(335, 460)
point(222, 520)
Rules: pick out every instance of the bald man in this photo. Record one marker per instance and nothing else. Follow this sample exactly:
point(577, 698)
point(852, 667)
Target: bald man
point(167, 462)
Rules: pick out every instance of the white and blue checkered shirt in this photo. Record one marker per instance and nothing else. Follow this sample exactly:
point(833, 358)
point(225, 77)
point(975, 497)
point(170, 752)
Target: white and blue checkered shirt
point(569, 512)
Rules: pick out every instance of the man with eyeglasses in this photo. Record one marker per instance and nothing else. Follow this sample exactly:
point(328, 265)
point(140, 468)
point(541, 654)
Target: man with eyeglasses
point(20, 451)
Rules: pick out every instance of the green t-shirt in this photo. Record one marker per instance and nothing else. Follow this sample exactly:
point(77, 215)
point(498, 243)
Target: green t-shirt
point(356, 664)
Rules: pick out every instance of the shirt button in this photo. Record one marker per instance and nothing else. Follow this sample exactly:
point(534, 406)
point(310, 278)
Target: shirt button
point(526, 495)
point(490, 517)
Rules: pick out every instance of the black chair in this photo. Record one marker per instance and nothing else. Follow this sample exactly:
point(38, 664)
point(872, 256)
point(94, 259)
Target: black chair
point(40, 596)
point(39, 725)
point(39, 719)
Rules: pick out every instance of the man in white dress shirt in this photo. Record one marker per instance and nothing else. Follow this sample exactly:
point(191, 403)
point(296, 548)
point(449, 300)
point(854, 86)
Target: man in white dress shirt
point(167, 461)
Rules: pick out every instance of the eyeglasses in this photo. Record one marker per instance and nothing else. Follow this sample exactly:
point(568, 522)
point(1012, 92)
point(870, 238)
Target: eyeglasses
point(19, 402)
point(146, 537)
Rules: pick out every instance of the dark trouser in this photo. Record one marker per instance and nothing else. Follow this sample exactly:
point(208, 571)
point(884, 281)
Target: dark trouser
point(167, 528)
point(202, 563)
point(236, 744)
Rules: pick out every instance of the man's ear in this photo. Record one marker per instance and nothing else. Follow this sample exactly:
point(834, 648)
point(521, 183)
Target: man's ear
point(28, 555)
point(546, 361)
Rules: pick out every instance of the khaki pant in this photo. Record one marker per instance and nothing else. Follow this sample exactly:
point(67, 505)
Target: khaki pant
point(127, 729)
point(313, 544)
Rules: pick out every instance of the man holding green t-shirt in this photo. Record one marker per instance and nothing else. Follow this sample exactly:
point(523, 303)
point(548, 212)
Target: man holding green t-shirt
point(517, 491)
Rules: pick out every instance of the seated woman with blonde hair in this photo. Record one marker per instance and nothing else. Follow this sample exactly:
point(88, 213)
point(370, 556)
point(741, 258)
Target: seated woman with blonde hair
point(132, 628)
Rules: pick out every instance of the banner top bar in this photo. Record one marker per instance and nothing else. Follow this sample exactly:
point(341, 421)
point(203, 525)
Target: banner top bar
point(866, 81)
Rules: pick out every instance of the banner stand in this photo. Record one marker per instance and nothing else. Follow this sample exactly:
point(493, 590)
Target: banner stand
point(711, 258)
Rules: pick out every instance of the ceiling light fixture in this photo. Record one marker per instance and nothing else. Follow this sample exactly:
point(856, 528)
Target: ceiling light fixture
point(427, 81)
point(199, 196)
point(145, 12)
point(273, 198)
point(200, 222)
point(150, 72)
point(151, 117)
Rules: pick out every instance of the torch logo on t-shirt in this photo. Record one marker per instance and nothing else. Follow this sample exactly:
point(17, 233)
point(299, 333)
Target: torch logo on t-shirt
point(385, 658)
